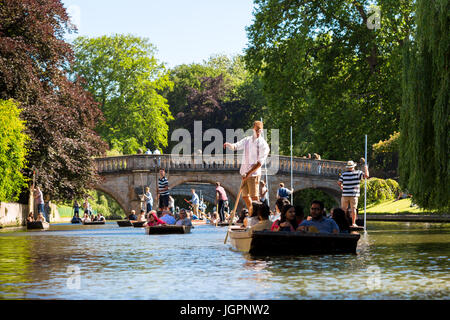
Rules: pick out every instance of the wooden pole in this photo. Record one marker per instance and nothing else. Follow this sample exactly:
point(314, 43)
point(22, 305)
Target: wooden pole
point(234, 210)
point(365, 185)
point(292, 180)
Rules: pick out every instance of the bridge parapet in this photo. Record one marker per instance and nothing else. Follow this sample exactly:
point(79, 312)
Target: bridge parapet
point(210, 163)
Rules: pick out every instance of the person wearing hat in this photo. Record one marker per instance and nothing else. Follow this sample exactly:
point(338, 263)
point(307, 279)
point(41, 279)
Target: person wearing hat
point(255, 154)
point(349, 183)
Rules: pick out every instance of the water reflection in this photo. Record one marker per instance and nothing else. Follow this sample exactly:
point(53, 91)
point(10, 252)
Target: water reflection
point(393, 261)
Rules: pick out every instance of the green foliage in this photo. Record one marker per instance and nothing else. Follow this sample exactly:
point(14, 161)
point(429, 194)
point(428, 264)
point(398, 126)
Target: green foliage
point(327, 74)
point(104, 204)
point(123, 75)
point(385, 156)
point(306, 196)
point(378, 190)
point(12, 151)
point(425, 139)
point(220, 92)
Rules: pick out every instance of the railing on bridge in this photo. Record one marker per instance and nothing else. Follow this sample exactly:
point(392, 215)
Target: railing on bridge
point(211, 163)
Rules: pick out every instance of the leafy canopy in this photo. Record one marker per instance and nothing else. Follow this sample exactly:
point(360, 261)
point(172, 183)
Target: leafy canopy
point(125, 78)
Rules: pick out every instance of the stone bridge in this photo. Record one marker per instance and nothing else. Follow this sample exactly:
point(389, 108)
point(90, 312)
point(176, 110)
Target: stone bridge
point(125, 176)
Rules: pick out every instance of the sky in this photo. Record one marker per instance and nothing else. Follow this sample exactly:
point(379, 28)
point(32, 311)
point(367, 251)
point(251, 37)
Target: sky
point(183, 31)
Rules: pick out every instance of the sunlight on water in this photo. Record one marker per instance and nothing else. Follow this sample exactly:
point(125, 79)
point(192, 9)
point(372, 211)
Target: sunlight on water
point(394, 261)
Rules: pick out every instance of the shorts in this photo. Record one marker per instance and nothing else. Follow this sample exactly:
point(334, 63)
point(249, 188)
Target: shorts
point(250, 188)
point(163, 201)
point(345, 201)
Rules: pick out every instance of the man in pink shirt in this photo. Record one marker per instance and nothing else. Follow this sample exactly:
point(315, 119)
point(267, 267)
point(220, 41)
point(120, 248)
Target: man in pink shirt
point(221, 197)
point(255, 154)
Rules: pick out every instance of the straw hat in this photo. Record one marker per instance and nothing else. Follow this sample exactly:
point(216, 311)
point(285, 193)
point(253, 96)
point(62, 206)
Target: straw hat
point(350, 164)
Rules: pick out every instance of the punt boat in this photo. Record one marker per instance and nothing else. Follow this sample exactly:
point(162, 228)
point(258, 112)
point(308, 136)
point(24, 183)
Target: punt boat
point(38, 225)
point(168, 229)
point(138, 224)
point(292, 243)
point(124, 223)
point(91, 223)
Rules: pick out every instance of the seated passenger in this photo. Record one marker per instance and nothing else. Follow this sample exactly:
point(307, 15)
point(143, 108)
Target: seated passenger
point(252, 219)
point(339, 216)
point(318, 221)
point(30, 217)
point(167, 217)
point(141, 216)
point(86, 218)
point(184, 219)
point(93, 217)
point(299, 214)
point(132, 216)
point(279, 204)
point(263, 213)
point(242, 215)
point(214, 219)
point(100, 217)
point(287, 221)
point(153, 220)
point(40, 217)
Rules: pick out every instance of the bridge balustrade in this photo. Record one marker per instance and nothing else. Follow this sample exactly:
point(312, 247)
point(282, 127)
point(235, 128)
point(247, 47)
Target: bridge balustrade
point(211, 163)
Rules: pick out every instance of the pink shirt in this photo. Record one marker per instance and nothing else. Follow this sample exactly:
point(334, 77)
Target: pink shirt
point(222, 193)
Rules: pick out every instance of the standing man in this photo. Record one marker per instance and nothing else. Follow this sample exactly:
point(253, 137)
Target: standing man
point(221, 197)
point(163, 190)
point(148, 200)
point(263, 195)
point(195, 202)
point(283, 192)
point(255, 154)
point(349, 183)
point(39, 197)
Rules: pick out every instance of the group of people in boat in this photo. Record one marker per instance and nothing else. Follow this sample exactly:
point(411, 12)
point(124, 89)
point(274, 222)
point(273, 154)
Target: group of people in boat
point(166, 217)
point(40, 217)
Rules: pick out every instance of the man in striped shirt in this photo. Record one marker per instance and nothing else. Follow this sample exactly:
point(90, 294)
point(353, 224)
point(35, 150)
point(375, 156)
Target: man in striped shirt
point(163, 190)
point(349, 183)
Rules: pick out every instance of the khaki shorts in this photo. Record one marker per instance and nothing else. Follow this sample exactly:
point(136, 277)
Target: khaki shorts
point(250, 188)
point(353, 201)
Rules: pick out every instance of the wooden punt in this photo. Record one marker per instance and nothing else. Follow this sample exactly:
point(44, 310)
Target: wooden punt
point(124, 223)
point(292, 243)
point(92, 223)
point(38, 225)
point(168, 229)
point(358, 228)
point(198, 222)
point(75, 221)
point(138, 224)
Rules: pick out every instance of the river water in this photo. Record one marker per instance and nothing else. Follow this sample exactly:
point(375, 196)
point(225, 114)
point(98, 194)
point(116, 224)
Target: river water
point(394, 260)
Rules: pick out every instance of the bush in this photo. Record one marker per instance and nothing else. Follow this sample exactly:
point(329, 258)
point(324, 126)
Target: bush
point(379, 190)
point(12, 151)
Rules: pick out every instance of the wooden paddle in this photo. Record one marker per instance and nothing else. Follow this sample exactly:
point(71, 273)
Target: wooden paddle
point(234, 210)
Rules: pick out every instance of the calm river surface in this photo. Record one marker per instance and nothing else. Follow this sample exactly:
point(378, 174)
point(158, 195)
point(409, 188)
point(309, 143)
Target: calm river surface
point(395, 260)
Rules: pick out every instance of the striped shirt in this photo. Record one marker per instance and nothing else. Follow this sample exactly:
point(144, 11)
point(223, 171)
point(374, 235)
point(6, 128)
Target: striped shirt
point(163, 183)
point(350, 182)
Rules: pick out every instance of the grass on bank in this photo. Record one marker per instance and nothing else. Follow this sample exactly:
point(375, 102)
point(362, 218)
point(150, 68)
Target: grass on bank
point(402, 206)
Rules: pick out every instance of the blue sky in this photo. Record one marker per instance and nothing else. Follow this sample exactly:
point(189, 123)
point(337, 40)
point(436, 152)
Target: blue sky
point(182, 31)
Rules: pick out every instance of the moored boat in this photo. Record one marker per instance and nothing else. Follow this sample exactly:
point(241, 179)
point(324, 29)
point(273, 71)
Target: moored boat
point(91, 223)
point(138, 224)
point(168, 229)
point(124, 223)
point(38, 225)
point(292, 243)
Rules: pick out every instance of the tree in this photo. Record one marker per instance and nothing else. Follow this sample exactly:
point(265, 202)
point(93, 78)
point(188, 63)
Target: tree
point(220, 92)
point(12, 151)
point(327, 74)
point(59, 114)
point(125, 78)
point(425, 136)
